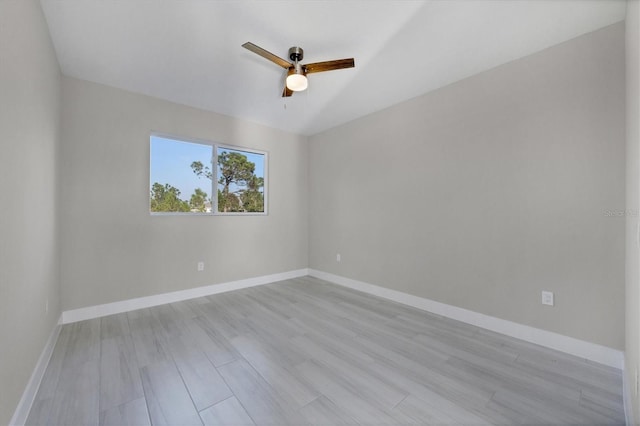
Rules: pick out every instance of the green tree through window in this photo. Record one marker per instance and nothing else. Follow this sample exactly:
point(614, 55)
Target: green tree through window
point(166, 198)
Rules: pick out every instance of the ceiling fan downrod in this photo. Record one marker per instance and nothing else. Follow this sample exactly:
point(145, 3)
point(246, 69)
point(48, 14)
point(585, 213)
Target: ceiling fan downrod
point(296, 53)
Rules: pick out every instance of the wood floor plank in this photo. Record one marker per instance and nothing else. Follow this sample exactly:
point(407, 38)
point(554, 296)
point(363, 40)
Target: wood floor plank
point(498, 376)
point(322, 411)
point(214, 344)
point(257, 397)
point(228, 315)
point(148, 338)
point(119, 374)
point(76, 401)
point(165, 319)
point(76, 398)
point(279, 347)
point(282, 377)
point(406, 348)
point(359, 376)
point(421, 412)
point(344, 394)
point(168, 400)
point(132, 413)
point(575, 373)
point(83, 344)
point(461, 346)
point(312, 320)
point(201, 378)
point(423, 383)
point(114, 326)
point(226, 413)
point(604, 404)
point(529, 406)
point(184, 310)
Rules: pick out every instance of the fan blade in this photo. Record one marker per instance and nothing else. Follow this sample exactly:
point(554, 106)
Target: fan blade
point(267, 55)
point(330, 65)
point(286, 92)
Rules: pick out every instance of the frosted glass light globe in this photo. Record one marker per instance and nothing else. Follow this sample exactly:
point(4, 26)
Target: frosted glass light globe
point(297, 82)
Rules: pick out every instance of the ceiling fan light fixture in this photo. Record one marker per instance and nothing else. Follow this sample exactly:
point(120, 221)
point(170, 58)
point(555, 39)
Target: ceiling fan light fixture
point(296, 79)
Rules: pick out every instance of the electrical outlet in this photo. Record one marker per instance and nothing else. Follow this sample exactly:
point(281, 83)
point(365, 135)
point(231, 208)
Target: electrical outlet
point(547, 298)
point(46, 307)
point(338, 257)
point(200, 266)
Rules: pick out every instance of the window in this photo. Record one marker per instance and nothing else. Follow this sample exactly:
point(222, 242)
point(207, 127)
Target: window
point(183, 179)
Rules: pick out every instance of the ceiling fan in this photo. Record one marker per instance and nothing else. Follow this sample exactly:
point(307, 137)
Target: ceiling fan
point(296, 72)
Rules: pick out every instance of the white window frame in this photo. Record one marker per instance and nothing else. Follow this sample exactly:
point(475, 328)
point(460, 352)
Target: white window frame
point(214, 181)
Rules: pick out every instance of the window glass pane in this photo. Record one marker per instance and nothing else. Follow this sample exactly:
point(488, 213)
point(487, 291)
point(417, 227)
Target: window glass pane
point(180, 177)
point(240, 181)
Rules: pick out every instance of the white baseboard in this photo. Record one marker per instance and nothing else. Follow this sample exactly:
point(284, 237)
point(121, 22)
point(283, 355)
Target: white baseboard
point(29, 394)
point(580, 348)
point(97, 311)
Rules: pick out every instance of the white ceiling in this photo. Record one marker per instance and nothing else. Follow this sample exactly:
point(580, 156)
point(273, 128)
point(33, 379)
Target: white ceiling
point(189, 51)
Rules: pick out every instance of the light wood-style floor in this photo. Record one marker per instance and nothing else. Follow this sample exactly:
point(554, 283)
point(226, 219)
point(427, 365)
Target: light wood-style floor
point(304, 351)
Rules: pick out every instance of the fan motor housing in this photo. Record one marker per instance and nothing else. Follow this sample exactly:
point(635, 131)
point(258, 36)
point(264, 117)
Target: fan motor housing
point(296, 53)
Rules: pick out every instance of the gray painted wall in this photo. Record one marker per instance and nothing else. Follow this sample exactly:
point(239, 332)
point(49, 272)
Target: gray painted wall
point(632, 296)
point(485, 192)
point(113, 249)
point(29, 129)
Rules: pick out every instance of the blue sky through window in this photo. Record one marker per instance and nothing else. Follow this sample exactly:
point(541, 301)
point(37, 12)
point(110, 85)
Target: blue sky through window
point(171, 163)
